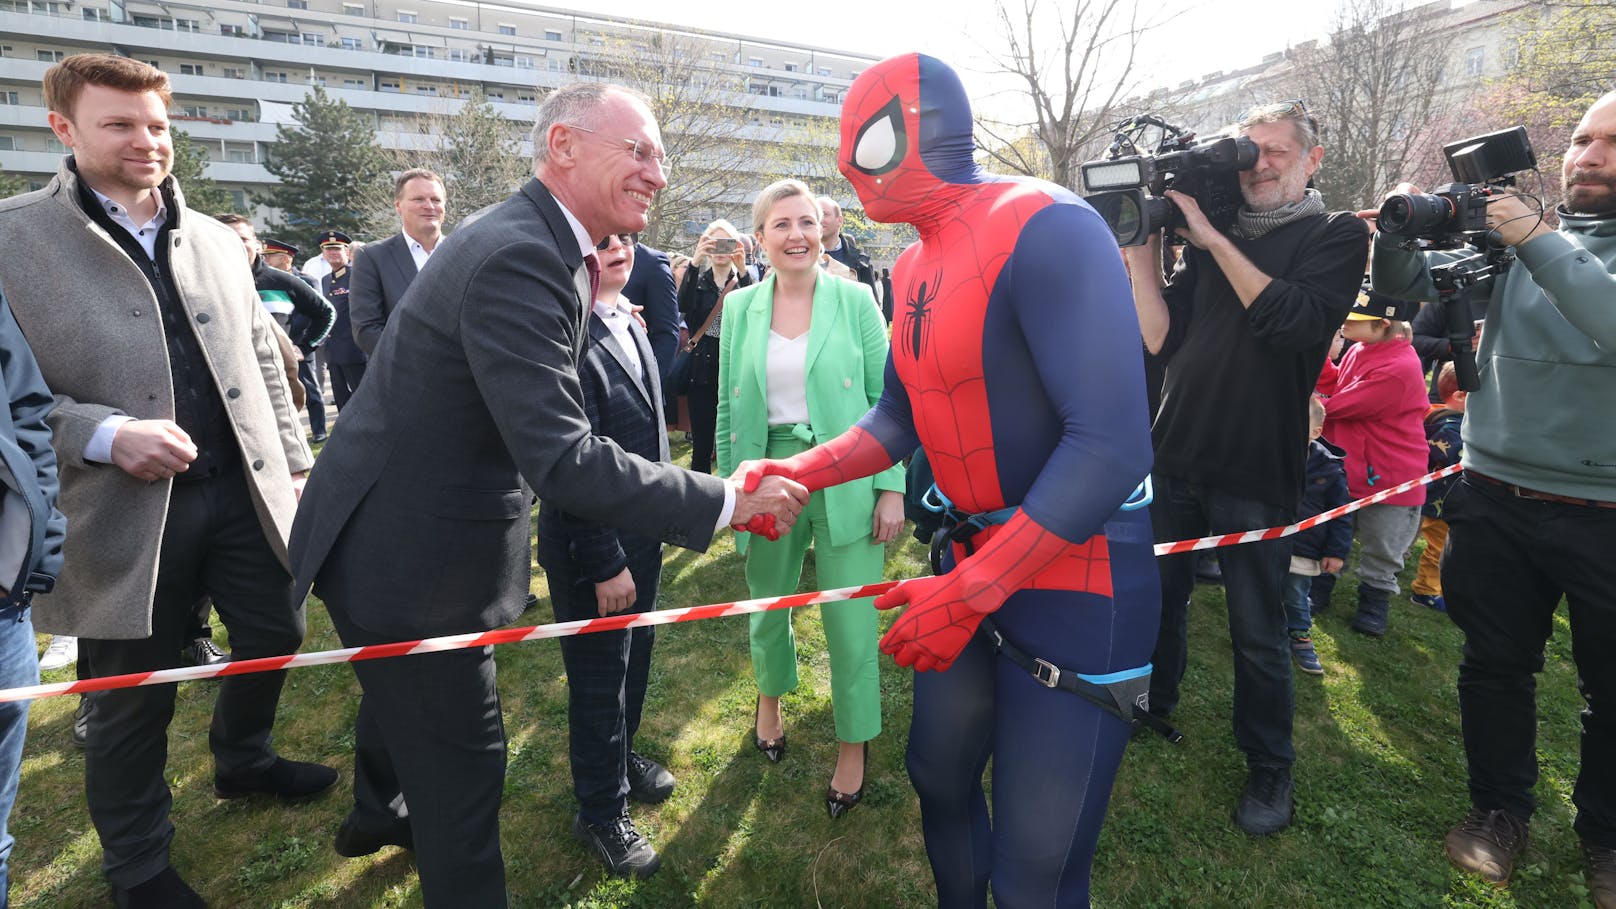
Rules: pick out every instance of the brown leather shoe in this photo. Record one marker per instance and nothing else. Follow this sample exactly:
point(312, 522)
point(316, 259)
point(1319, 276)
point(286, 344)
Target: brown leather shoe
point(1599, 864)
point(1487, 843)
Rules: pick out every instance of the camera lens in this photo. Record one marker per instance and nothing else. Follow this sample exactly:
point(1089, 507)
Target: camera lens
point(1414, 214)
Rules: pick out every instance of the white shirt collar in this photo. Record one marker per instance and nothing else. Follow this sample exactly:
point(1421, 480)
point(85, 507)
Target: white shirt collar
point(144, 234)
point(585, 245)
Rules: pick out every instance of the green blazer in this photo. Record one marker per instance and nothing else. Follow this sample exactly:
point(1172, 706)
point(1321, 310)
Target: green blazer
point(847, 358)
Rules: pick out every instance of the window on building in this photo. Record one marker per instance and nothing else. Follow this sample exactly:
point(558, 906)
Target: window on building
point(1475, 61)
point(506, 29)
point(526, 96)
point(551, 34)
point(190, 69)
point(194, 110)
point(313, 40)
point(755, 62)
point(297, 4)
point(353, 9)
point(426, 90)
point(356, 84)
point(526, 61)
point(459, 22)
point(232, 31)
point(7, 143)
point(408, 18)
point(154, 64)
point(791, 67)
point(824, 70)
point(231, 72)
point(55, 146)
point(239, 114)
point(240, 156)
point(459, 55)
point(187, 25)
point(496, 96)
point(8, 98)
point(238, 199)
point(274, 77)
point(554, 64)
point(389, 85)
point(352, 44)
point(50, 56)
point(421, 51)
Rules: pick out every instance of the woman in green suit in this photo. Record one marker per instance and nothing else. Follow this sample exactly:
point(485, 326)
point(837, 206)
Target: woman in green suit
point(801, 358)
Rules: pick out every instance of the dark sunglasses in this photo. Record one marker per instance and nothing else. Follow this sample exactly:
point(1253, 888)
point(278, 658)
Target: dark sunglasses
point(625, 239)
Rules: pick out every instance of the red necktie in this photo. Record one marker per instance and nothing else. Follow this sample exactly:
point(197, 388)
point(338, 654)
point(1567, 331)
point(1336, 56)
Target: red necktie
point(592, 264)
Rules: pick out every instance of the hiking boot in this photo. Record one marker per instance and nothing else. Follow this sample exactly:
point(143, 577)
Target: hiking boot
point(1599, 864)
point(1307, 659)
point(1487, 843)
point(1374, 608)
point(648, 782)
point(1267, 803)
point(618, 846)
point(1429, 601)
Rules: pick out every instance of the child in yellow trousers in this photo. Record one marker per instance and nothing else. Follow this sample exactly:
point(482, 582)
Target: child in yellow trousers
point(1442, 435)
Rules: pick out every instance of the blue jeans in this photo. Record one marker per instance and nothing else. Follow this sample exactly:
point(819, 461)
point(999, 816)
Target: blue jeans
point(19, 665)
point(1253, 577)
point(1298, 611)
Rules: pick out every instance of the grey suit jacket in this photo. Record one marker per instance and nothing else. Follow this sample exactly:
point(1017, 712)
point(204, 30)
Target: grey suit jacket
point(415, 520)
point(91, 317)
point(381, 273)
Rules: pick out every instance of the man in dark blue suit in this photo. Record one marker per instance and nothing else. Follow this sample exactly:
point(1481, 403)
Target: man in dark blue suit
point(343, 358)
point(596, 570)
point(650, 286)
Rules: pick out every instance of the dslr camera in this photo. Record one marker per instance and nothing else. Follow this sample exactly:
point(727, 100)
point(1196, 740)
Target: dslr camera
point(1455, 214)
point(1127, 187)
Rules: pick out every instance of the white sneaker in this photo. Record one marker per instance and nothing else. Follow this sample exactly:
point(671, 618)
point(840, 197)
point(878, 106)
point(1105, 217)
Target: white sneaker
point(62, 652)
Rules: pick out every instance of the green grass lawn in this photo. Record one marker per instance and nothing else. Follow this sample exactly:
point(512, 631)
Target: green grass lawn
point(1380, 778)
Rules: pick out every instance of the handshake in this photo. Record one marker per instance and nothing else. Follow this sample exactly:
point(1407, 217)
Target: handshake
point(766, 502)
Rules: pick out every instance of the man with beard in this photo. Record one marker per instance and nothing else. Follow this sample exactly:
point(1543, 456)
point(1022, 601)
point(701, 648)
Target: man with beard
point(1533, 518)
point(1243, 325)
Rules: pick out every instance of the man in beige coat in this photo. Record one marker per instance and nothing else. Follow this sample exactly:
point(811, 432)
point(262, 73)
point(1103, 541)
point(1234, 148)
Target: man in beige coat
point(181, 455)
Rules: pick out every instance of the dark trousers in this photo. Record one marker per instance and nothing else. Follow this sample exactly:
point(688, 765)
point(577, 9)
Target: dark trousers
point(212, 545)
point(1253, 583)
point(316, 395)
point(1054, 753)
point(1507, 563)
point(429, 750)
point(703, 425)
point(345, 380)
point(606, 678)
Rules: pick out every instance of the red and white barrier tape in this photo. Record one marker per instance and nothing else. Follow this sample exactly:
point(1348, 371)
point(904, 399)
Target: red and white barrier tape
point(1274, 533)
point(618, 622)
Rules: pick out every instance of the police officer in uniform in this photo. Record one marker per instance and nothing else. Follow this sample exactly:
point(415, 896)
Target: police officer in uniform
point(343, 357)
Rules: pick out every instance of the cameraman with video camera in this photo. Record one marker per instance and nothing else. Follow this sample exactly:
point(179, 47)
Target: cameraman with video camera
point(1243, 325)
point(1534, 516)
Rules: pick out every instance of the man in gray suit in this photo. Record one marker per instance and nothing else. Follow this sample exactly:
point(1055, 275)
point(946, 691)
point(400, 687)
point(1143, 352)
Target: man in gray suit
point(383, 271)
point(180, 455)
point(416, 522)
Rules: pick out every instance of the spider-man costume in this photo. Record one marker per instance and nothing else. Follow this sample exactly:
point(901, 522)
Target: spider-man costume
point(1021, 276)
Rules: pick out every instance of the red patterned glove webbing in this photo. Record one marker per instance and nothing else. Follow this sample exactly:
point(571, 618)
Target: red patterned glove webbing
point(849, 456)
point(944, 611)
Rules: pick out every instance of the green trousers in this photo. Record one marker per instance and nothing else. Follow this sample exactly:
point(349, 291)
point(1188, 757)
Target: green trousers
point(775, 569)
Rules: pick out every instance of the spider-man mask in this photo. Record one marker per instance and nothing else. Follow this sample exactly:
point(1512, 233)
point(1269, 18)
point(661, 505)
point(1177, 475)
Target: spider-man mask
point(906, 133)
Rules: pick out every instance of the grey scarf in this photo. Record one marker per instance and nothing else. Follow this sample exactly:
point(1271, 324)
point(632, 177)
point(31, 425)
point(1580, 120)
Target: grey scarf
point(1253, 224)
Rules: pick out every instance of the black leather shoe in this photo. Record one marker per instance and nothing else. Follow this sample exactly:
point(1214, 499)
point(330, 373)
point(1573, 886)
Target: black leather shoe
point(840, 803)
point(165, 891)
point(619, 847)
point(1268, 801)
point(773, 749)
point(318, 437)
point(531, 601)
point(354, 841)
point(81, 720)
point(289, 781)
point(204, 652)
point(649, 783)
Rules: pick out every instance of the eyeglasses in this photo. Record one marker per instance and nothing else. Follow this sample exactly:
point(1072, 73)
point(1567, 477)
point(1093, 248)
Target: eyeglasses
point(639, 149)
point(624, 239)
point(1294, 107)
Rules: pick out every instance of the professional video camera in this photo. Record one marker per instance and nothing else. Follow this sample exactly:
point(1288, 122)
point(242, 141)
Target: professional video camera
point(1455, 215)
point(1127, 187)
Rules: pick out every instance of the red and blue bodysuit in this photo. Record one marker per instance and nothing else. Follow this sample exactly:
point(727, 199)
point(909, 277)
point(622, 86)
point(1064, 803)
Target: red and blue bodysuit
point(1016, 363)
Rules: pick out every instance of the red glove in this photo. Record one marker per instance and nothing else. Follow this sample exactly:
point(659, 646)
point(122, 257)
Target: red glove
point(944, 611)
point(849, 456)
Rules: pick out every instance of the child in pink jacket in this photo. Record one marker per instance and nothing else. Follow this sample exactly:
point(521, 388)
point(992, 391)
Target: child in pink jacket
point(1377, 416)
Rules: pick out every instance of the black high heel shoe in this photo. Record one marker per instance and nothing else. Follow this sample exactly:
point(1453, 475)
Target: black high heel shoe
point(839, 803)
point(773, 749)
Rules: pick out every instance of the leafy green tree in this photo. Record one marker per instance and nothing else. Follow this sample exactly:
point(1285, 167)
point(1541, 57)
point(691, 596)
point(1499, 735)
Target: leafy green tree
point(11, 185)
point(326, 164)
point(190, 171)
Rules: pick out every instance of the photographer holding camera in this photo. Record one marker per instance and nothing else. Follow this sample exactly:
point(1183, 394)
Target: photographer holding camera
point(1243, 325)
point(1534, 516)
